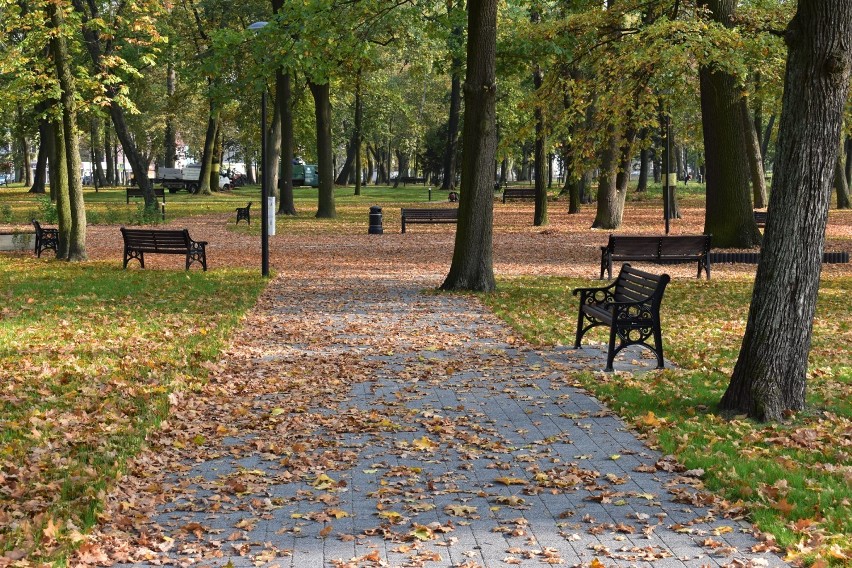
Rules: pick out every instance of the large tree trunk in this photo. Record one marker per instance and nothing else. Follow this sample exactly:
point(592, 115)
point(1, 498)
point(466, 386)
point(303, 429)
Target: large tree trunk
point(207, 154)
point(325, 169)
point(849, 160)
point(62, 61)
point(456, 42)
point(273, 141)
point(610, 200)
point(170, 136)
point(59, 187)
point(770, 374)
point(755, 162)
point(287, 205)
point(540, 213)
point(472, 267)
point(644, 157)
point(111, 177)
point(345, 173)
point(216, 159)
point(728, 214)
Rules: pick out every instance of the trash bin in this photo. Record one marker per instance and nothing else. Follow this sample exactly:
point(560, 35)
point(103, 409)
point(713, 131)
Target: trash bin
point(375, 221)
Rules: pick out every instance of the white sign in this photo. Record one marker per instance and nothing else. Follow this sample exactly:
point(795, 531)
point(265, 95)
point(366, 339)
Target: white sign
point(270, 225)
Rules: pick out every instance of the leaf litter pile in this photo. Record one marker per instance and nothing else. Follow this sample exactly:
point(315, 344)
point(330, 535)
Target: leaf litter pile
point(355, 421)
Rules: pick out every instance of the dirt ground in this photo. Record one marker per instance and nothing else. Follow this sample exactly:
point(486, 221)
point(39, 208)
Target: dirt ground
point(565, 247)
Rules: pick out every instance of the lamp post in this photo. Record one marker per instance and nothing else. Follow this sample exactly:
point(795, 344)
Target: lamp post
point(264, 186)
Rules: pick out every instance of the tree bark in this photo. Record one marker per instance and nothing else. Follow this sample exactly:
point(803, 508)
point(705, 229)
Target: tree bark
point(755, 162)
point(456, 42)
point(44, 133)
point(644, 156)
point(97, 169)
point(841, 184)
point(111, 178)
point(540, 213)
point(359, 138)
point(769, 378)
point(610, 200)
point(59, 187)
point(216, 158)
point(322, 110)
point(849, 160)
point(472, 266)
point(76, 249)
point(274, 138)
point(203, 187)
point(169, 138)
point(287, 205)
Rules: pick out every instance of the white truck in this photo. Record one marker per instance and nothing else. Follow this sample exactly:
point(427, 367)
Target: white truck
point(175, 179)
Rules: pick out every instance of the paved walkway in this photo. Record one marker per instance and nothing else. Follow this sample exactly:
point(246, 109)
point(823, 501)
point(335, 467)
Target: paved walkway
point(419, 432)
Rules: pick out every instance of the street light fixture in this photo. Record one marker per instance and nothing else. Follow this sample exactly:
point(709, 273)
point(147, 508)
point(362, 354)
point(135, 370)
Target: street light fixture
point(264, 186)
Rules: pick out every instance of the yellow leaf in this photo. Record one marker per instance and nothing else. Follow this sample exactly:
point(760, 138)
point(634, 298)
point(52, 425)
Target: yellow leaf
point(392, 516)
point(324, 482)
point(424, 444)
point(326, 531)
point(511, 480)
point(277, 411)
point(337, 513)
point(614, 457)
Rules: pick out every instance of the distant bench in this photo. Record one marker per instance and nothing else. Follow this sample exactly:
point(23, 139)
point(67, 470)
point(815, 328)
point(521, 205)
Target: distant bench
point(137, 192)
point(45, 238)
point(412, 216)
point(160, 241)
point(518, 193)
point(659, 249)
point(412, 179)
point(760, 219)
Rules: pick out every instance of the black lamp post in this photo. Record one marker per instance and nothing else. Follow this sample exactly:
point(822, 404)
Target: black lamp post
point(264, 186)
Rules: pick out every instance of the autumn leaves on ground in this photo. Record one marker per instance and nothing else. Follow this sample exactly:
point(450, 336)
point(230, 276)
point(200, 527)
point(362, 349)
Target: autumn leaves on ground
point(92, 355)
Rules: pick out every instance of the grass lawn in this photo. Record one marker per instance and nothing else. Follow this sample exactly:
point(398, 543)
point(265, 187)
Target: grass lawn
point(88, 356)
point(793, 479)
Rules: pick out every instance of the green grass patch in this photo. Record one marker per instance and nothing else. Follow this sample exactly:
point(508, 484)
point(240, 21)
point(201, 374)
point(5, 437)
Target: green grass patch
point(793, 478)
point(88, 356)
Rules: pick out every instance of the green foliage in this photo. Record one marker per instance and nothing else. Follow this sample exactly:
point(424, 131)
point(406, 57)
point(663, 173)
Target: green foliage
point(47, 212)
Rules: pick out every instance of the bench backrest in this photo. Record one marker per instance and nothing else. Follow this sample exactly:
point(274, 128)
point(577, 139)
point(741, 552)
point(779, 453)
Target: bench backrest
point(38, 227)
point(634, 246)
point(684, 245)
point(430, 213)
point(152, 240)
point(634, 285)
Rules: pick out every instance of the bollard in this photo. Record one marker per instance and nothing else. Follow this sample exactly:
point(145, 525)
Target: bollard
point(375, 221)
point(430, 194)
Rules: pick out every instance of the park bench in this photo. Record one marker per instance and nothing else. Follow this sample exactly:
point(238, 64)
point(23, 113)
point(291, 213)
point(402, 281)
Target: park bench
point(760, 219)
point(630, 306)
point(518, 193)
point(660, 249)
point(412, 179)
point(244, 213)
point(45, 238)
point(160, 241)
point(411, 216)
point(137, 192)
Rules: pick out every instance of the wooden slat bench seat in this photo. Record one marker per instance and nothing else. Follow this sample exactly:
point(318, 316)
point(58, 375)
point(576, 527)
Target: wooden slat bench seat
point(412, 216)
point(659, 249)
point(161, 241)
point(137, 192)
point(518, 193)
point(45, 238)
point(630, 306)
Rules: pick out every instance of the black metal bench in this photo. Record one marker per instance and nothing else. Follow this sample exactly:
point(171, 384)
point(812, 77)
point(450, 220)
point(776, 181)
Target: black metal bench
point(518, 193)
point(244, 213)
point(160, 241)
point(412, 216)
point(661, 249)
point(630, 306)
point(137, 192)
point(45, 238)
point(760, 219)
point(412, 179)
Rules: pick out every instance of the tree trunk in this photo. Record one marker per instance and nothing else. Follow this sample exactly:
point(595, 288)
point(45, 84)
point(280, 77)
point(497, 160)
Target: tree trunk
point(849, 160)
point(764, 142)
point(169, 138)
point(44, 134)
point(111, 178)
point(728, 214)
point(456, 42)
point(207, 154)
point(97, 169)
point(287, 205)
point(359, 141)
point(755, 162)
point(322, 109)
point(402, 170)
point(610, 200)
point(62, 61)
point(841, 184)
point(59, 187)
point(345, 173)
point(770, 374)
point(674, 207)
point(644, 156)
point(472, 266)
point(274, 139)
point(216, 158)
point(540, 214)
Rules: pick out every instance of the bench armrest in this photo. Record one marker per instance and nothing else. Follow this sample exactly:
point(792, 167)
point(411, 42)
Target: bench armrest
point(595, 289)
